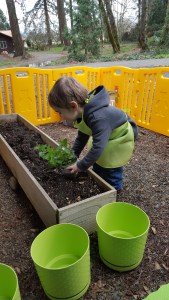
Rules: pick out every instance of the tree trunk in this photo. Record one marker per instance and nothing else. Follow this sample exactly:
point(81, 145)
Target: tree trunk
point(62, 22)
point(102, 29)
point(17, 39)
point(112, 23)
point(71, 13)
point(142, 24)
point(109, 31)
point(165, 30)
point(47, 24)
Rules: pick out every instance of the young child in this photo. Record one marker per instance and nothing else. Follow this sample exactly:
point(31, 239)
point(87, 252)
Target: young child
point(112, 131)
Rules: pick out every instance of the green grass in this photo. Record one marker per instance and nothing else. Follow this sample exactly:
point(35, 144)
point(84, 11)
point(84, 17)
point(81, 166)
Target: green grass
point(7, 63)
point(107, 49)
point(57, 49)
point(131, 51)
point(126, 47)
point(164, 55)
point(59, 62)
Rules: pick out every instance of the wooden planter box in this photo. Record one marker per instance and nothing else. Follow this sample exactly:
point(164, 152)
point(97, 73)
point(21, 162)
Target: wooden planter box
point(82, 213)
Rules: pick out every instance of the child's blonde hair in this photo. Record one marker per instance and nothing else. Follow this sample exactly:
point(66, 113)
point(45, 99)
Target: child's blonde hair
point(66, 90)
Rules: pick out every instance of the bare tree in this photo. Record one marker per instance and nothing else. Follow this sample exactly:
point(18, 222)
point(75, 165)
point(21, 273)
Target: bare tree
point(109, 21)
point(17, 39)
point(43, 7)
point(142, 6)
point(122, 10)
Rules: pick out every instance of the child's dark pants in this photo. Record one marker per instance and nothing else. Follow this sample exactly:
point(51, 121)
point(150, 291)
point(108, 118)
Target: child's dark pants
point(114, 176)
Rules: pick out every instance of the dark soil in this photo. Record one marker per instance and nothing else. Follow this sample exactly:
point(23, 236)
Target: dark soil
point(146, 184)
point(63, 191)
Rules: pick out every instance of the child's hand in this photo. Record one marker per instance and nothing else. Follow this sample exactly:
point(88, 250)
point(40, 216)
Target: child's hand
point(74, 168)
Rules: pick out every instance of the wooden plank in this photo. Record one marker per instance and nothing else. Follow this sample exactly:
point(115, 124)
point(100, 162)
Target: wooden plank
point(40, 200)
point(84, 212)
point(8, 118)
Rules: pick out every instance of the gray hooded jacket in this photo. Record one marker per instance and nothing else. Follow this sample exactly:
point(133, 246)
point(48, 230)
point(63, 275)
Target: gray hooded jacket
point(101, 118)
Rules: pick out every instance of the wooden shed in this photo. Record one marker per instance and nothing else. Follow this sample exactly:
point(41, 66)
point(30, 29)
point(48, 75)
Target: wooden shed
point(6, 41)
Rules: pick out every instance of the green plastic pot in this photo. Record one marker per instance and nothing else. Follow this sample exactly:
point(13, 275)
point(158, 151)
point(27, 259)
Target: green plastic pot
point(62, 260)
point(161, 294)
point(9, 287)
point(122, 233)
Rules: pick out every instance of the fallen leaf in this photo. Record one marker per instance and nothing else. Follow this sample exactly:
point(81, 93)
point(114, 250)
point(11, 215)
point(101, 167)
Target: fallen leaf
point(157, 266)
point(165, 267)
point(18, 270)
point(154, 230)
point(98, 286)
point(34, 229)
point(146, 289)
point(78, 198)
point(149, 258)
point(165, 252)
point(161, 222)
point(4, 252)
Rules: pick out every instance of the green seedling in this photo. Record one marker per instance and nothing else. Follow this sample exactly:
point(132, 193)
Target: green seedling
point(59, 157)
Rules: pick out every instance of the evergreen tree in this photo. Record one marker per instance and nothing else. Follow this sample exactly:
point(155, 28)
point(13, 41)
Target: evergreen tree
point(85, 33)
point(3, 21)
point(156, 14)
point(165, 29)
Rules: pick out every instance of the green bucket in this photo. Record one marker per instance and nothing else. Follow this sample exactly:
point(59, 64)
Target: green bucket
point(122, 230)
point(9, 287)
point(62, 260)
point(161, 294)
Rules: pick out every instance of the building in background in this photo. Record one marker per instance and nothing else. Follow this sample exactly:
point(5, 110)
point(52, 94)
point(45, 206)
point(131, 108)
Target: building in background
point(6, 41)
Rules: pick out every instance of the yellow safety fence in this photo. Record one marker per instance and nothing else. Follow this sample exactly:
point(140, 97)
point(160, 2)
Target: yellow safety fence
point(141, 93)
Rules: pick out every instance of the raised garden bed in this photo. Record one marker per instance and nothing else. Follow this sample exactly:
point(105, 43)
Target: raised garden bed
point(56, 199)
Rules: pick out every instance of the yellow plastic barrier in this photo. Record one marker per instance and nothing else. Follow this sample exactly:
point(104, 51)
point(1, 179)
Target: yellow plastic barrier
point(141, 93)
point(24, 91)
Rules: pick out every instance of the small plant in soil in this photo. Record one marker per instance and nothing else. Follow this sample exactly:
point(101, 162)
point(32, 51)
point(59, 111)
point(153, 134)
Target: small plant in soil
point(62, 191)
point(59, 157)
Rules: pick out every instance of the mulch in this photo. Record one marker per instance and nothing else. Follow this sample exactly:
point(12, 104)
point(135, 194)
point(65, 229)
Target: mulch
point(146, 184)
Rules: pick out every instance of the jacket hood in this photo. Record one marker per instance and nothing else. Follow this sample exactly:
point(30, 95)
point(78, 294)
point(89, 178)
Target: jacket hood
point(99, 99)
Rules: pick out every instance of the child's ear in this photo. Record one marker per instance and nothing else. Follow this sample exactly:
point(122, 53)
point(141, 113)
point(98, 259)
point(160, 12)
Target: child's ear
point(74, 105)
